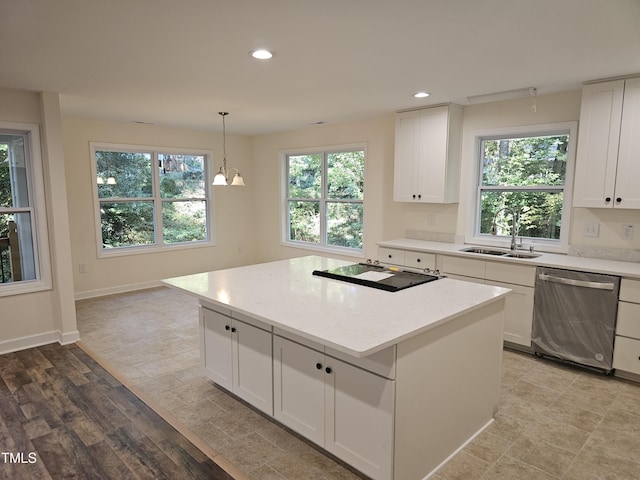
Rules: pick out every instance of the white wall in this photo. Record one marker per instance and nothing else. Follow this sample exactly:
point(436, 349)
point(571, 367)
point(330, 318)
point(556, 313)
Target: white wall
point(234, 216)
point(37, 318)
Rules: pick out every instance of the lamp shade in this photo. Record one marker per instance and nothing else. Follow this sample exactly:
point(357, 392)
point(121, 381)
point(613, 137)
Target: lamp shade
point(238, 181)
point(219, 179)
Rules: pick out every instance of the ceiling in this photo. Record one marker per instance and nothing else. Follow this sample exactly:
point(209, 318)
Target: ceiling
point(179, 62)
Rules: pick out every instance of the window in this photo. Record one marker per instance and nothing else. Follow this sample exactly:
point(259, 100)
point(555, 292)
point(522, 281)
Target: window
point(524, 183)
point(324, 199)
point(24, 264)
point(150, 198)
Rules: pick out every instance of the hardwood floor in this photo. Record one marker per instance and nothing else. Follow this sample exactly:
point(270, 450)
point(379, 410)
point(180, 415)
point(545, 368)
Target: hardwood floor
point(63, 416)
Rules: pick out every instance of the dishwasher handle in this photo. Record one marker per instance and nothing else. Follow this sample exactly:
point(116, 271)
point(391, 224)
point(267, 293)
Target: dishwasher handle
point(576, 283)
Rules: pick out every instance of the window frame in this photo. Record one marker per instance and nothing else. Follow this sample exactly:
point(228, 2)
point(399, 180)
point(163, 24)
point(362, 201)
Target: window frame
point(156, 199)
point(473, 234)
point(323, 200)
point(37, 209)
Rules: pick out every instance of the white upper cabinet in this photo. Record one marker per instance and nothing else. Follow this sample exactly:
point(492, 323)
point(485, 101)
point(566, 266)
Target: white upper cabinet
point(427, 155)
point(628, 178)
point(608, 157)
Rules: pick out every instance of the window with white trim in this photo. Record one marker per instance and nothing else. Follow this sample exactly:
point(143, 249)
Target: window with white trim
point(324, 199)
point(24, 251)
point(524, 183)
point(150, 198)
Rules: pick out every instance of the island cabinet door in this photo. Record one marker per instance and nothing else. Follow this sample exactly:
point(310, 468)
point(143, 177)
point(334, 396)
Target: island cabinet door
point(216, 351)
point(359, 416)
point(298, 388)
point(252, 365)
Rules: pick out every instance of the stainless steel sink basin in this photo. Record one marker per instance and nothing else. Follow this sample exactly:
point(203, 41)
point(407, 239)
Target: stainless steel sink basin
point(499, 253)
point(486, 251)
point(521, 255)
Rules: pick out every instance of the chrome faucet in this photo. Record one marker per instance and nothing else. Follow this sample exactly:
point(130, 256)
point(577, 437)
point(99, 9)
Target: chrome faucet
point(515, 218)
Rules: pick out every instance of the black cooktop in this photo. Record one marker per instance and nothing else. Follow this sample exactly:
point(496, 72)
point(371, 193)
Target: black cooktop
point(390, 279)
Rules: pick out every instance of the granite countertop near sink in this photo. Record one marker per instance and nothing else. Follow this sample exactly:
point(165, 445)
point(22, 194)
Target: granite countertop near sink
point(569, 262)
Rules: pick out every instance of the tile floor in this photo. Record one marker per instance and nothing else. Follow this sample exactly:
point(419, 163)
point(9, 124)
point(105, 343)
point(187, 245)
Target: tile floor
point(554, 422)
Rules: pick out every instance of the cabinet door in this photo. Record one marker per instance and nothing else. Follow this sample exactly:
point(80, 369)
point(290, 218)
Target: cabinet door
point(252, 365)
point(626, 355)
point(217, 356)
point(598, 141)
point(518, 313)
point(432, 162)
point(359, 418)
point(423, 169)
point(627, 193)
point(407, 154)
point(298, 388)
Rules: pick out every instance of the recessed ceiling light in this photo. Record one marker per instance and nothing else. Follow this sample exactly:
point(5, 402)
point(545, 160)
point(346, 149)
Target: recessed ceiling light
point(421, 95)
point(262, 54)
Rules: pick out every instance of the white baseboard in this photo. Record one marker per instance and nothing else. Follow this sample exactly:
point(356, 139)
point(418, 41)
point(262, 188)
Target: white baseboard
point(115, 290)
point(69, 337)
point(37, 340)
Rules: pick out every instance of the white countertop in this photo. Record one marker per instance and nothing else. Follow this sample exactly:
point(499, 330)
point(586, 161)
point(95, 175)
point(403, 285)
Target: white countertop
point(585, 264)
point(354, 319)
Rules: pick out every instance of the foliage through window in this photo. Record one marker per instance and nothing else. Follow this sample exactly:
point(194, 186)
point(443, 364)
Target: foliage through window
point(522, 185)
point(22, 224)
point(151, 197)
point(325, 194)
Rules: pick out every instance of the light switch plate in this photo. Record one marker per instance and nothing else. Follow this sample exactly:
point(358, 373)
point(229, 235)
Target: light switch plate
point(590, 229)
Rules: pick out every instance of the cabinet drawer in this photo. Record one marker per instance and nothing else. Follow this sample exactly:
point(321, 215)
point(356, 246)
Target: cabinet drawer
point(626, 355)
point(463, 266)
point(509, 273)
point(630, 290)
point(628, 320)
point(391, 255)
point(420, 260)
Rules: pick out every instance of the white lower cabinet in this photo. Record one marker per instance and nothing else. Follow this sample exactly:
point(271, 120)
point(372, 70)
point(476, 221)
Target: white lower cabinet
point(518, 305)
point(626, 355)
point(344, 409)
point(626, 352)
point(518, 313)
point(238, 356)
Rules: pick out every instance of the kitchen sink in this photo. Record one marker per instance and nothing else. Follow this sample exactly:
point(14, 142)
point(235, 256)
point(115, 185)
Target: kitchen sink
point(521, 255)
point(499, 253)
point(486, 251)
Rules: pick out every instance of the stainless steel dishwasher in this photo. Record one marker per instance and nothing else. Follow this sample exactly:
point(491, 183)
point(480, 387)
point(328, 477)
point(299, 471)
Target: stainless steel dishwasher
point(574, 317)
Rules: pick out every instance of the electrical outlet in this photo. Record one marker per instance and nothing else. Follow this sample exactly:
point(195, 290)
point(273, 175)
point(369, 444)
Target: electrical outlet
point(627, 232)
point(431, 219)
point(590, 229)
point(82, 268)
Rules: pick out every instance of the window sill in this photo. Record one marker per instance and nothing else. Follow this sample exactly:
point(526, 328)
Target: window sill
point(349, 252)
point(24, 287)
point(146, 250)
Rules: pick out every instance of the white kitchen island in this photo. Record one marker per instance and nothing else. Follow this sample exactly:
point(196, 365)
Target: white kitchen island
point(392, 383)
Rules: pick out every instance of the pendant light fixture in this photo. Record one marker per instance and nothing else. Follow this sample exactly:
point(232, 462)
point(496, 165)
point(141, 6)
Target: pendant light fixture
point(222, 177)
